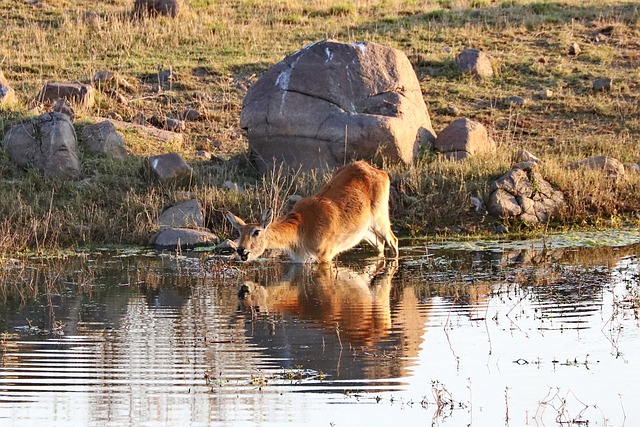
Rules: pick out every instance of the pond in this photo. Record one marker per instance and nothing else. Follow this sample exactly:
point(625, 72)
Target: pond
point(542, 333)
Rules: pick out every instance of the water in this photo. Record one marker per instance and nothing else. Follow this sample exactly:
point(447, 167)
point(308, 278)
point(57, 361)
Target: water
point(512, 335)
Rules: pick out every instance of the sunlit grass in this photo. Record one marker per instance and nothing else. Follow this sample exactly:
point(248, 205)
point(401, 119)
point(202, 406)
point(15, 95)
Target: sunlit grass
point(218, 49)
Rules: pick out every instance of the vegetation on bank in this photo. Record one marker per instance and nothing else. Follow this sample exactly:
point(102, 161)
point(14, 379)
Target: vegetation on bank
point(217, 49)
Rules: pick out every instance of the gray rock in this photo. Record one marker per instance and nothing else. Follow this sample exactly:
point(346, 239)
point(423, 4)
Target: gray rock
point(192, 115)
point(462, 138)
point(611, 167)
point(7, 94)
point(48, 143)
point(103, 138)
point(525, 166)
point(174, 125)
point(526, 156)
point(182, 238)
point(453, 110)
point(476, 62)
point(169, 169)
point(515, 101)
point(157, 7)
point(333, 102)
point(503, 204)
point(602, 85)
point(544, 94)
point(574, 49)
point(184, 215)
point(64, 106)
point(79, 94)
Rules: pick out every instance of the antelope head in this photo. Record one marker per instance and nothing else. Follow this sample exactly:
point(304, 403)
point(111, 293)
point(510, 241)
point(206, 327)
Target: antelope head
point(252, 241)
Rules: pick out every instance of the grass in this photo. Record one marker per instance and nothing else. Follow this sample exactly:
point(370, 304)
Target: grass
point(217, 49)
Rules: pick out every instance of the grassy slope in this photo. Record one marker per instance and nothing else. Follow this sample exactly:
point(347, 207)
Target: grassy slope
point(217, 48)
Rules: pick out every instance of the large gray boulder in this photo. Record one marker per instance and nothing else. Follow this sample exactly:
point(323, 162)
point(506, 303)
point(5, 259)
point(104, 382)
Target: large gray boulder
point(48, 143)
point(7, 94)
point(463, 138)
point(525, 195)
point(103, 139)
point(331, 102)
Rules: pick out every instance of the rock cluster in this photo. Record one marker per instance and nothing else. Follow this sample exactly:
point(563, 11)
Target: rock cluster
point(525, 195)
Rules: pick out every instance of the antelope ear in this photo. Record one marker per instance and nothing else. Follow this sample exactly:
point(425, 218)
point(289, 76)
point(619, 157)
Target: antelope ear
point(267, 218)
point(235, 221)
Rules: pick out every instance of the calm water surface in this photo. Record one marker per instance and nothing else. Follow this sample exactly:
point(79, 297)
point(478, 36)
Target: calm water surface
point(511, 334)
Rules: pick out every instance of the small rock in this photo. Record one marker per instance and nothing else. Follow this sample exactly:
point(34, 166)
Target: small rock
point(515, 101)
point(103, 139)
point(184, 215)
point(113, 115)
point(544, 94)
point(525, 166)
point(64, 106)
point(192, 115)
point(475, 62)
point(169, 169)
point(104, 76)
point(464, 137)
point(80, 94)
point(452, 110)
point(166, 76)
point(139, 119)
point(613, 168)
point(174, 125)
point(232, 186)
point(501, 229)
point(608, 30)
point(503, 204)
point(602, 85)
point(120, 98)
point(215, 143)
point(182, 238)
point(203, 155)
point(574, 49)
point(526, 156)
point(634, 168)
point(7, 94)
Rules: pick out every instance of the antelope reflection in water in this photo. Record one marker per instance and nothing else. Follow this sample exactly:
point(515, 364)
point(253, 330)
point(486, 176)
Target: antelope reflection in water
point(354, 303)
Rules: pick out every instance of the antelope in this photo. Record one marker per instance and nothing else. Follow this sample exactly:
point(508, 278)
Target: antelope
point(352, 207)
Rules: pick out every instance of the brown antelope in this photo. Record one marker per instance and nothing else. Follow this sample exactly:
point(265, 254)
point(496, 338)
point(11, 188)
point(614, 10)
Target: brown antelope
point(352, 207)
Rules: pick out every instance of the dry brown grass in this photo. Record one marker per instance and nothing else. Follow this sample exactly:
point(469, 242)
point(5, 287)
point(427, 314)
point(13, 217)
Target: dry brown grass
point(217, 49)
